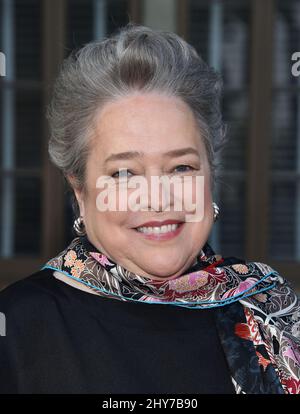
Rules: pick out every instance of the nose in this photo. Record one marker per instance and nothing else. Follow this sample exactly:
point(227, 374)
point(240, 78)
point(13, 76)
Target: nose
point(158, 195)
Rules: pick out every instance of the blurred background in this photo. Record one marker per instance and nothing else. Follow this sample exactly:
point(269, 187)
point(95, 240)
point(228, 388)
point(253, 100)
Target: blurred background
point(249, 41)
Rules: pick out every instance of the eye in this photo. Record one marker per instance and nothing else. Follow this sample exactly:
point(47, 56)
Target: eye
point(121, 173)
point(184, 167)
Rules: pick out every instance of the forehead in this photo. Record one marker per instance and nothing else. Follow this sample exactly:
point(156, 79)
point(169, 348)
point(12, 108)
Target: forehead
point(145, 122)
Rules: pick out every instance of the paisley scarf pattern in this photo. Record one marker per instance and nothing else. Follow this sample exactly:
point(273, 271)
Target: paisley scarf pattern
point(258, 315)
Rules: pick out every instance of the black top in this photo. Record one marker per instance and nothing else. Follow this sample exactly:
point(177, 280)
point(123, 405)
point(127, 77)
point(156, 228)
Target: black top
point(60, 339)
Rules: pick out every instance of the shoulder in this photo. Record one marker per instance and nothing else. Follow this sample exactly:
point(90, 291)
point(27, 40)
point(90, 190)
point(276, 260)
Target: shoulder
point(279, 284)
point(261, 275)
point(272, 283)
point(277, 304)
point(32, 292)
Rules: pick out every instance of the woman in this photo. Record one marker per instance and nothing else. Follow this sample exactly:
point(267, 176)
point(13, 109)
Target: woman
point(139, 302)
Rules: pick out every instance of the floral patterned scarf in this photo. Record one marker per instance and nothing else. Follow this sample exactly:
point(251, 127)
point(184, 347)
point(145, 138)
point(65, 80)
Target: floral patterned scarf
point(258, 315)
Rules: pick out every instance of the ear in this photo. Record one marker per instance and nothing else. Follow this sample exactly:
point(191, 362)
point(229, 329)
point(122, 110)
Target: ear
point(78, 193)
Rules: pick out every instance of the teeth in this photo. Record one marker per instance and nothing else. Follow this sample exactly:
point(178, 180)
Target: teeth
point(158, 230)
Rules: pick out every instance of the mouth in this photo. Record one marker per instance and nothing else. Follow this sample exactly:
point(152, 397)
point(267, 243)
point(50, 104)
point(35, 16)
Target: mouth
point(160, 233)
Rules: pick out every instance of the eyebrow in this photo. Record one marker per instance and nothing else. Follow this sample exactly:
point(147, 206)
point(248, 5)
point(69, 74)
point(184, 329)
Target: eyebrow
point(128, 155)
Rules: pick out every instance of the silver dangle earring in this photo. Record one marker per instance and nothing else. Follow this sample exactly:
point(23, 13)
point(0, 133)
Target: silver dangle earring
point(78, 226)
point(216, 211)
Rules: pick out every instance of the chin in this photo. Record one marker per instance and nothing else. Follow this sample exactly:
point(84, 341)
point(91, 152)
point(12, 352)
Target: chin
point(160, 271)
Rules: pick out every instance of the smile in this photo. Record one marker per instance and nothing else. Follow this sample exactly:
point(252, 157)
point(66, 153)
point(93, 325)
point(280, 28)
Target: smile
point(165, 232)
point(158, 230)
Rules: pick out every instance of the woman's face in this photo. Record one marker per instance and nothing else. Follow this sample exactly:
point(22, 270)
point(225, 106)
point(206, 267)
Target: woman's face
point(151, 125)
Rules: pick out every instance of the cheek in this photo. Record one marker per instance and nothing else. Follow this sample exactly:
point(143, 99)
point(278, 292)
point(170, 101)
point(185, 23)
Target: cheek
point(197, 194)
point(106, 219)
point(112, 197)
point(207, 195)
point(111, 221)
point(107, 207)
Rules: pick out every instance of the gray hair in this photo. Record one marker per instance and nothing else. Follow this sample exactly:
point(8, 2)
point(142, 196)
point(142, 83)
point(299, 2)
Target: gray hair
point(134, 58)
